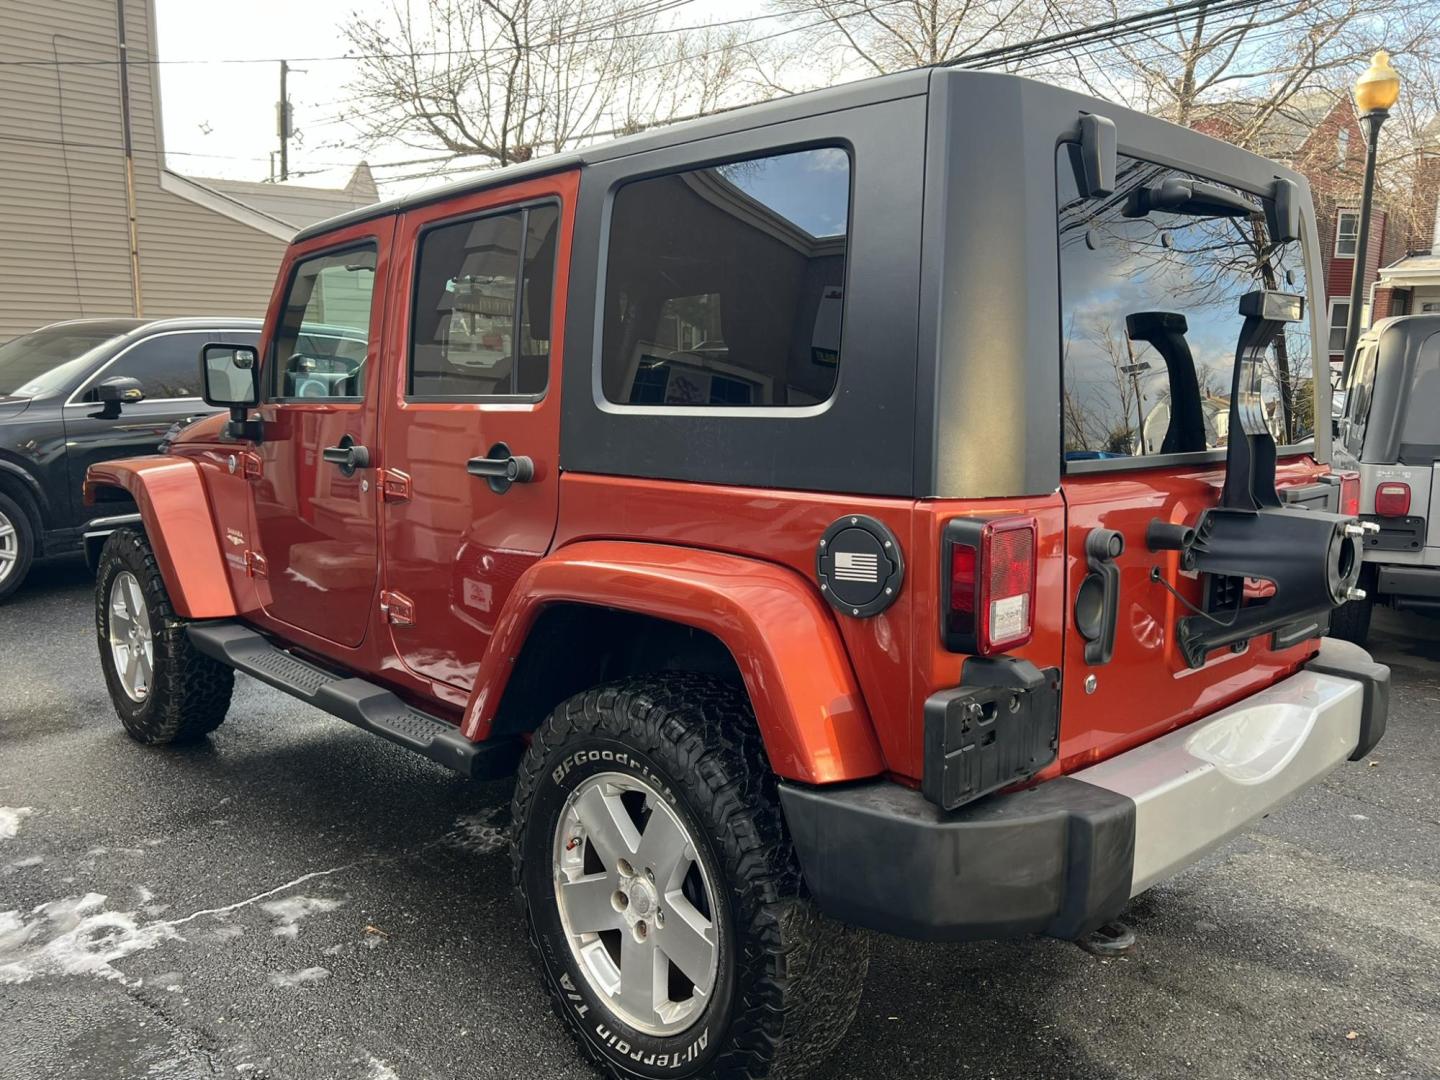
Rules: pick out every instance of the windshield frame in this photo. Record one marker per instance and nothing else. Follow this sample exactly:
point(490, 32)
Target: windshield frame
point(1317, 444)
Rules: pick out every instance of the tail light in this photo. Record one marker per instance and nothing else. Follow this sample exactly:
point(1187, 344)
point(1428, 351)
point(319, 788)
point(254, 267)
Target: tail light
point(1392, 500)
point(989, 577)
point(1350, 494)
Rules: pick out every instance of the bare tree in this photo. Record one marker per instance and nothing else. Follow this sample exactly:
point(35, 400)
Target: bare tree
point(881, 36)
point(502, 81)
point(1258, 69)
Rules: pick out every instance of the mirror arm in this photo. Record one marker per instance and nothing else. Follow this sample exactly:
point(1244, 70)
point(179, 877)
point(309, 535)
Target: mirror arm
point(242, 427)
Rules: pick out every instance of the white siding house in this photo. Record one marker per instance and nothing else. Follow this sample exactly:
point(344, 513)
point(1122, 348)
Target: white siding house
point(68, 244)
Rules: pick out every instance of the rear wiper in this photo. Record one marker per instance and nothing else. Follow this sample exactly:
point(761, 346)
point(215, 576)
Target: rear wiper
point(1192, 197)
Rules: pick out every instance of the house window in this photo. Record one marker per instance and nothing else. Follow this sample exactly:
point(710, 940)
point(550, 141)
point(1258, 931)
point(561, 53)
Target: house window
point(1347, 234)
point(1339, 321)
point(1342, 146)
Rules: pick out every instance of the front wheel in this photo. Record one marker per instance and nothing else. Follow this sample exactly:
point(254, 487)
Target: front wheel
point(163, 689)
point(662, 894)
point(17, 545)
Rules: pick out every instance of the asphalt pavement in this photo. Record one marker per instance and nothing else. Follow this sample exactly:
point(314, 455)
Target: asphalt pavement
point(297, 899)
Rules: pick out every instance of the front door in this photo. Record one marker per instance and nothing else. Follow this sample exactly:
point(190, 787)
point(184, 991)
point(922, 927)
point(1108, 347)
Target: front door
point(316, 518)
point(476, 377)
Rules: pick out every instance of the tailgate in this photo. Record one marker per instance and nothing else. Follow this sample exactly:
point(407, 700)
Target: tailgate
point(1146, 688)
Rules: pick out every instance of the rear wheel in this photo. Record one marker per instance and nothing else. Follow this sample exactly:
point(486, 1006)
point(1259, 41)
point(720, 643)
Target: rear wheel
point(662, 894)
point(17, 545)
point(163, 690)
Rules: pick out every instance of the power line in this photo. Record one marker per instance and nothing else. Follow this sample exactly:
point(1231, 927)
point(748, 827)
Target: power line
point(654, 8)
point(1111, 31)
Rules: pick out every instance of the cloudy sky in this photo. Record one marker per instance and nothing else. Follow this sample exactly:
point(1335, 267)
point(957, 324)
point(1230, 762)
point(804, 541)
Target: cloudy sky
point(220, 116)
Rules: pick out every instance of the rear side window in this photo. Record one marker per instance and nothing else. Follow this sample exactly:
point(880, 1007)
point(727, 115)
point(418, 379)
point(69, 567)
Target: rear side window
point(725, 286)
point(1358, 398)
point(481, 325)
point(1130, 273)
point(324, 333)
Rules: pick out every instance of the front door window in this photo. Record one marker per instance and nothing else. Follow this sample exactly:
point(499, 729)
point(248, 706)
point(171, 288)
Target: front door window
point(324, 330)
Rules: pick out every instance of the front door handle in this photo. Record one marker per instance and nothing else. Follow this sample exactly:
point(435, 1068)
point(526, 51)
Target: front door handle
point(348, 455)
point(499, 468)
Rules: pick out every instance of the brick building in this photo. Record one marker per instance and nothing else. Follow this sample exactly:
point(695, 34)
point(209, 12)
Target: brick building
point(1320, 136)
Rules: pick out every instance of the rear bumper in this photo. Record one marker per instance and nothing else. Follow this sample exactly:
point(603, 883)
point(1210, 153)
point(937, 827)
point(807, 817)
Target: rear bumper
point(1066, 855)
point(1422, 582)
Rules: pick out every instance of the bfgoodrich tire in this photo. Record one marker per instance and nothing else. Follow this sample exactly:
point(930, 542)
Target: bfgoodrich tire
point(745, 978)
point(17, 545)
point(163, 690)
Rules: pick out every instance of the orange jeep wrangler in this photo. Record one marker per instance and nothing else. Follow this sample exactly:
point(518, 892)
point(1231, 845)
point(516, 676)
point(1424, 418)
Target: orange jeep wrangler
point(895, 507)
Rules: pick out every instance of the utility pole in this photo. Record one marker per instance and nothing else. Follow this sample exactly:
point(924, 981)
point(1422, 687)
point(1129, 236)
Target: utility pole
point(283, 126)
point(132, 211)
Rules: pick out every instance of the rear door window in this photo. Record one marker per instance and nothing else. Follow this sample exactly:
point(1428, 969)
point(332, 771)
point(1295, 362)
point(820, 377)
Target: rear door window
point(481, 326)
point(725, 285)
point(1120, 266)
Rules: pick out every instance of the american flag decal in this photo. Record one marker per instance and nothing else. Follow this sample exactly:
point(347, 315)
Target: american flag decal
point(857, 566)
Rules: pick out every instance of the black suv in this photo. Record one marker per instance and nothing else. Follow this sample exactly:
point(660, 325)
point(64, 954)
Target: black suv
point(81, 391)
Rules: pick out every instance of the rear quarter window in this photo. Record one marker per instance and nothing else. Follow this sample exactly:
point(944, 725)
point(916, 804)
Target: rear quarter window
point(725, 285)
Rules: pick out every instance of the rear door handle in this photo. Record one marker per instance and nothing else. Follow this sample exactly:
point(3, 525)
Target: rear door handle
point(499, 468)
point(348, 455)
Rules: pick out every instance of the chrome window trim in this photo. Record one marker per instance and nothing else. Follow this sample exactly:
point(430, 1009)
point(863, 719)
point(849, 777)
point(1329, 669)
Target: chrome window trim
point(90, 380)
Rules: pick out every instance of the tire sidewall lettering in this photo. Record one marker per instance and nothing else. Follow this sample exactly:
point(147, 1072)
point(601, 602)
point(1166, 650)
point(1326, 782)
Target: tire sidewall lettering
point(683, 1054)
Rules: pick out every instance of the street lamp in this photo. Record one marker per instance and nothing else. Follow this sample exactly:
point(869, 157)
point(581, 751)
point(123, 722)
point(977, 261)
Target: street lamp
point(1375, 92)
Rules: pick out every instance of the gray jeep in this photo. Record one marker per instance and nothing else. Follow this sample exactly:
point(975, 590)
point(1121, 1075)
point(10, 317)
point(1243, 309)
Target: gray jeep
point(1389, 432)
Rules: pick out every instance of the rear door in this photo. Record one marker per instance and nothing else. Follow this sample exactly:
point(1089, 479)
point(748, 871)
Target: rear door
point(1150, 328)
point(315, 520)
point(476, 379)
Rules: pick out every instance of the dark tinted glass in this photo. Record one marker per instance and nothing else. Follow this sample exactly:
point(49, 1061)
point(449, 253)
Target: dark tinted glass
point(1357, 401)
point(324, 332)
point(1117, 391)
point(725, 285)
point(51, 359)
point(481, 324)
point(168, 365)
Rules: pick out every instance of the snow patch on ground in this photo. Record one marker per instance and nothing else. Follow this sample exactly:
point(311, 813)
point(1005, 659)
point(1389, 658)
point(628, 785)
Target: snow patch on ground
point(10, 818)
point(289, 980)
point(292, 909)
point(378, 1070)
point(21, 864)
point(486, 833)
point(73, 936)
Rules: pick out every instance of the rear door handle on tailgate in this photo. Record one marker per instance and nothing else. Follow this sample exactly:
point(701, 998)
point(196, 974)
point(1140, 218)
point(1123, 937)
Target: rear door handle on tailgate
point(1097, 602)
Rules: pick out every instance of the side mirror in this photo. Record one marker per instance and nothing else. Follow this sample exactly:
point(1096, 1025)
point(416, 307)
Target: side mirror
point(114, 392)
point(230, 375)
point(119, 390)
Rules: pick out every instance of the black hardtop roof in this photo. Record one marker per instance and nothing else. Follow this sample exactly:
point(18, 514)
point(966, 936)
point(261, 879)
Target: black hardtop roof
point(831, 99)
point(904, 84)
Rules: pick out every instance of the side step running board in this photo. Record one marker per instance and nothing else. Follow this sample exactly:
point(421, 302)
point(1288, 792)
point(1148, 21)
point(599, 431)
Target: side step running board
point(356, 701)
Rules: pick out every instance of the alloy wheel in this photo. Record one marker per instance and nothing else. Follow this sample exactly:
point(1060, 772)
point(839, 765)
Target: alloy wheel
point(131, 645)
point(9, 546)
point(636, 904)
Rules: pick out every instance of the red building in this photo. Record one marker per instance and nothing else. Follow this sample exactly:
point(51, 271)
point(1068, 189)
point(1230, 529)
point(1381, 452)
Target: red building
point(1320, 136)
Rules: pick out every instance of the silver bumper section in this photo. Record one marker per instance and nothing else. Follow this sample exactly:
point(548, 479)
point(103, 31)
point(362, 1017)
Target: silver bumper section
point(1198, 786)
point(1066, 855)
